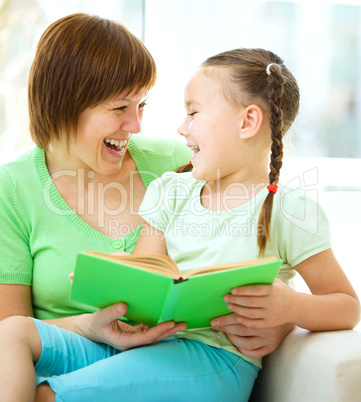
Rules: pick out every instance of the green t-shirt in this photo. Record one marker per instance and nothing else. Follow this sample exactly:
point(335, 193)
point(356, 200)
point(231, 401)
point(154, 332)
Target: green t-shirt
point(40, 235)
point(197, 237)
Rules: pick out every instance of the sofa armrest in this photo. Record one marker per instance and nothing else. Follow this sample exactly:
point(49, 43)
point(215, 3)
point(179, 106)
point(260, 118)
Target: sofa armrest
point(312, 366)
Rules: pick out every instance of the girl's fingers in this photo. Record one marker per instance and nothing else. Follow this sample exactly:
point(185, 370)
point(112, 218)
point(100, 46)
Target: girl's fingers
point(247, 301)
point(252, 313)
point(252, 290)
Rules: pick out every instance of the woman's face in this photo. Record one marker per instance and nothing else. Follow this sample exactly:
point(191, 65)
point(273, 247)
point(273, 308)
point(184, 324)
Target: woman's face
point(104, 131)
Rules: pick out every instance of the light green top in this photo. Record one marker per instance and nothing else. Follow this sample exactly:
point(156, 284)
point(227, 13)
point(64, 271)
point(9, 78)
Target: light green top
point(197, 237)
point(40, 235)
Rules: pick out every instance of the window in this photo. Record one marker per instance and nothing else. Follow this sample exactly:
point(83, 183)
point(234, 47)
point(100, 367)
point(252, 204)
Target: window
point(320, 41)
point(21, 24)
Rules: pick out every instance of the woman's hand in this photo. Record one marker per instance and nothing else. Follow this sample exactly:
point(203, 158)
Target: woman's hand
point(103, 326)
point(120, 253)
point(260, 320)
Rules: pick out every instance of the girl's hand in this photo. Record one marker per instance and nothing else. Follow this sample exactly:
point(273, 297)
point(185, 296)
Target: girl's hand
point(260, 320)
point(252, 342)
point(262, 306)
point(103, 326)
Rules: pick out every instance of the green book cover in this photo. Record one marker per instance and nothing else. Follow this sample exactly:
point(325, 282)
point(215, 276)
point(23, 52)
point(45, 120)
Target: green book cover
point(153, 298)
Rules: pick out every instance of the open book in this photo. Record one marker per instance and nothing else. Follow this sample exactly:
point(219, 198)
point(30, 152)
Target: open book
point(156, 291)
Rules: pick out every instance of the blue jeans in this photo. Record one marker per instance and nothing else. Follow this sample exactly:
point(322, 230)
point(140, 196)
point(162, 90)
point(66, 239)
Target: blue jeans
point(78, 369)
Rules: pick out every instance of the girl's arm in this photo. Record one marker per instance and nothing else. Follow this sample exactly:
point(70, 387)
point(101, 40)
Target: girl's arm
point(151, 241)
point(333, 304)
point(253, 342)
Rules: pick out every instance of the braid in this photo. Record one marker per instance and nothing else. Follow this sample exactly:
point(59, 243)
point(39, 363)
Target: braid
point(185, 168)
point(260, 76)
point(275, 92)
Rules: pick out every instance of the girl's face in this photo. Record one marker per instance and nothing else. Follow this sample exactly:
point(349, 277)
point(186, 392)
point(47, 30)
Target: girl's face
point(104, 131)
point(212, 129)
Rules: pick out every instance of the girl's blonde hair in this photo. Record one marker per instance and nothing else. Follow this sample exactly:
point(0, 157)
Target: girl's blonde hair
point(81, 61)
point(259, 76)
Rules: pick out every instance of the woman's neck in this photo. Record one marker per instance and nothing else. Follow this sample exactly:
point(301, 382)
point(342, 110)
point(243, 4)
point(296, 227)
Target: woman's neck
point(105, 202)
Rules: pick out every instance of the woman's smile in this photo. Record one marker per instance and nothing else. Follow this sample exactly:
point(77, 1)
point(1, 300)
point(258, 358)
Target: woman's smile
point(116, 147)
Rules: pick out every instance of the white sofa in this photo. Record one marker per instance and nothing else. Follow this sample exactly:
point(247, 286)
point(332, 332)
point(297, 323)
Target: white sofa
point(312, 366)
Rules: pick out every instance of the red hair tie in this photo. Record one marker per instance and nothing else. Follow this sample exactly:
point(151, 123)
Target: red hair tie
point(272, 188)
point(190, 162)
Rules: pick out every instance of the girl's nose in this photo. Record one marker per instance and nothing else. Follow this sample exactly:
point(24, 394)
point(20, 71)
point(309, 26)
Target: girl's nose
point(183, 128)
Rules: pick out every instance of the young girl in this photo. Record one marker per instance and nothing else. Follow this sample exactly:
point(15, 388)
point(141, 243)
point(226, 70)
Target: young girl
point(230, 207)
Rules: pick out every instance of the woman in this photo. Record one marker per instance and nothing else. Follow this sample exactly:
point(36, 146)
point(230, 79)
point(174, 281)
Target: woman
point(81, 187)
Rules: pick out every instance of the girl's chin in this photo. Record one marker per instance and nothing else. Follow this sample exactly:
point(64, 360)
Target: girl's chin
point(207, 174)
point(197, 174)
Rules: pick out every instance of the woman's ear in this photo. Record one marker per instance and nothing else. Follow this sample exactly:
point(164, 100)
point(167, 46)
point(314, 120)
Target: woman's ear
point(252, 119)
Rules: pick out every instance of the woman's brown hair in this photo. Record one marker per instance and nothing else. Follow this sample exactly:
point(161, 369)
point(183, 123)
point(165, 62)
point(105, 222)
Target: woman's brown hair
point(81, 61)
point(259, 76)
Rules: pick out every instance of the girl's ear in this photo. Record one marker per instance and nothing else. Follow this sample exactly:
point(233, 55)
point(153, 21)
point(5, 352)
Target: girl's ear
point(252, 119)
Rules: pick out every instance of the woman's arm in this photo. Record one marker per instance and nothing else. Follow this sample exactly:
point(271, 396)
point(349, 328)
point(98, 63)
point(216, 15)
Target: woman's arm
point(333, 304)
point(104, 326)
point(15, 300)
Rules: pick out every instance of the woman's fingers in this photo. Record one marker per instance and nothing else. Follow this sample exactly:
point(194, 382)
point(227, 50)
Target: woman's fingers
point(165, 330)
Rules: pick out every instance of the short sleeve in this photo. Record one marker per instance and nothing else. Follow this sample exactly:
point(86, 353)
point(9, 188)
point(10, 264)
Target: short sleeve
point(157, 206)
point(16, 263)
point(302, 228)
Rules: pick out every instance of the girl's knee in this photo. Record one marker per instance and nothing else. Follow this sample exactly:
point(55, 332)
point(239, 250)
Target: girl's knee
point(21, 330)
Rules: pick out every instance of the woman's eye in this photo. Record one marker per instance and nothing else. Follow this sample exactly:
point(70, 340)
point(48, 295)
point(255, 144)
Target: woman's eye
point(141, 105)
point(121, 108)
point(192, 113)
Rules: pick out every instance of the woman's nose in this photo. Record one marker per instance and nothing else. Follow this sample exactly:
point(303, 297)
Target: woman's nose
point(133, 124)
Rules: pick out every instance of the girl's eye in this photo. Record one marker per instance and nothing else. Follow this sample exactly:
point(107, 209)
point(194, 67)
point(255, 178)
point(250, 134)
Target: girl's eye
point(141, 105)
point(192, 113)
